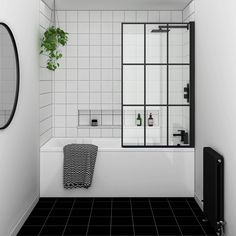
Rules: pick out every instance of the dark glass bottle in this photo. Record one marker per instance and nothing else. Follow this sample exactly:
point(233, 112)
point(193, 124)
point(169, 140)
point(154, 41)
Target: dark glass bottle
point(150, 120)
point(139, 120)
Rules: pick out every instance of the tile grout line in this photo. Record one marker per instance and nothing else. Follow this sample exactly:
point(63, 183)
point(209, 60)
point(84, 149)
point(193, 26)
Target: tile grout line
point(153, 216)
point(89, 218)
point(196, 217)
point(47, 217)
point(68, 217)
point(174, 217)
point(131, 208)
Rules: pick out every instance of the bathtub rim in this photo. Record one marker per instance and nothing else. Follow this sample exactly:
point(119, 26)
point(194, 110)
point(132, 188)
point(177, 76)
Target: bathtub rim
point(46, 148)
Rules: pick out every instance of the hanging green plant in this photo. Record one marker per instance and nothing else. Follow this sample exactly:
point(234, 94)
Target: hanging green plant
point(52, 39)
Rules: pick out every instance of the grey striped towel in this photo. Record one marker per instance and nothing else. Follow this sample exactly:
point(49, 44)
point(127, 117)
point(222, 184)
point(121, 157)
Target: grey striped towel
point(79, 163)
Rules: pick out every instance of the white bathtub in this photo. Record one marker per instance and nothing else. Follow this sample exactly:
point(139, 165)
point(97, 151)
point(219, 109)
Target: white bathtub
point(121, 172)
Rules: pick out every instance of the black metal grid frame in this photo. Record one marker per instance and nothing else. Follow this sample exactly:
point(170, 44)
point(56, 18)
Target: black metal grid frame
point(191, 27)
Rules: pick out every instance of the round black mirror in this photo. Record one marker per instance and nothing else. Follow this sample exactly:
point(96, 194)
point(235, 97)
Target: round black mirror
point(9, 76)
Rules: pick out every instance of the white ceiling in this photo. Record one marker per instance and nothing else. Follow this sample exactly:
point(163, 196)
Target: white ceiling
point(119, 4)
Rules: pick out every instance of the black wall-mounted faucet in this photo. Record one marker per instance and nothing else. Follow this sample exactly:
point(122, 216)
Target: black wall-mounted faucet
point(183, 135)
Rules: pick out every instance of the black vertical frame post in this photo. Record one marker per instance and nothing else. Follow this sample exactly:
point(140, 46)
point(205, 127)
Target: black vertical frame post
point(122, 89)
point(145, 88)
point(192, 83)
point(167, 85)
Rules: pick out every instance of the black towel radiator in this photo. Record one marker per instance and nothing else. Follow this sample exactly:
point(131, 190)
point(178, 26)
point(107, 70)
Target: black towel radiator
point(213, 189)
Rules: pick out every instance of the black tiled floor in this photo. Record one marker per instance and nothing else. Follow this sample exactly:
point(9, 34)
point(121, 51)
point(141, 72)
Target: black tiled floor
point(116, 217)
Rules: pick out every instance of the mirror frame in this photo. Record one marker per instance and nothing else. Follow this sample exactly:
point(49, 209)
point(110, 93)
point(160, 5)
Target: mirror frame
point(17, 76)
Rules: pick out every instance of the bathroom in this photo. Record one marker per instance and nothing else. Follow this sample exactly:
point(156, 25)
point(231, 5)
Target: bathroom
point(145, 83)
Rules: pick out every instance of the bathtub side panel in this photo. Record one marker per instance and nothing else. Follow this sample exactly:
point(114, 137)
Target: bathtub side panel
point(125, 174)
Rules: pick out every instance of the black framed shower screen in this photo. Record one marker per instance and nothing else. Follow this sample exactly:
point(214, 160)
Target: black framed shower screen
point(191, 104)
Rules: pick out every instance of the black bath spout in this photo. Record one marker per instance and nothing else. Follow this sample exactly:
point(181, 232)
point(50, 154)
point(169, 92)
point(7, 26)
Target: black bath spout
point(183, 135)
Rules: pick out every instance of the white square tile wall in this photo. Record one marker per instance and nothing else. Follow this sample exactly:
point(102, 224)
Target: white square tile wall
point(90, 73)
point(46, 83)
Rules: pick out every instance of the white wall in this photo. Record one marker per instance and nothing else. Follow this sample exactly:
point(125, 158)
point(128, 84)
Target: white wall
point(19, 143)
point(45, 91)
point(90, 74)
point(188, 12)
point(215, 93)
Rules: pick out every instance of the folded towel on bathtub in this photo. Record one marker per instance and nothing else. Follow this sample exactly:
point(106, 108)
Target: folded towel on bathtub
point(79, 163)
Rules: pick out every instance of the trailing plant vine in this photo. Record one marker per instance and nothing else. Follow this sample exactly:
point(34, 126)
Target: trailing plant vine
point(52, 39)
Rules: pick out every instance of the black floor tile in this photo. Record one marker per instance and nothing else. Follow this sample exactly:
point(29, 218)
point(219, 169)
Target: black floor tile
point(101, 212)
point(122, 230)
point(77, 221)
point(84, 199)
point(202, 220)
point(30, 230)
point(103, 199)
point(192, 230)
point(145, 230)
point(80, 212)
point(160, 205)
point(142, 212)
point(141, 205)
point(76, 230)
point(116, 216)
point(193, 204)
point(162, 212)
point(99, 230)
point(121, 199)
point(52, 230)
point(158, 199)
point(47, 199)
point(179, 205)
point(165, 221)
point(177, 199)
point(143, 221)
point(102, 221)
point(61, 204)
point(209, 230)
point(187, 220)
point(65, 199)
point(44, 204)
point(168, 230)
point(122, 221)
point(83, 204)
point(40, 212)
point(56, 221)
point(103, 205)
point(139, 199)
point(198, 212)
point(35, 221)
point(122, 204)
point(59, 212)
point(121, 212)
point(183, 212)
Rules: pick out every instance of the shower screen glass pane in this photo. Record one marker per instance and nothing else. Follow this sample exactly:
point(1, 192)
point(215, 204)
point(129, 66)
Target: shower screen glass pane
point(179, 46)
point(179, 90)
point(133, 134)
point(133, 43)
point(156, 44)
point(156, 135)
point(178, 120)
point(133, 84)
point(156, 85)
